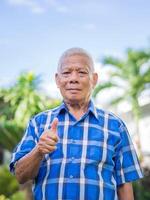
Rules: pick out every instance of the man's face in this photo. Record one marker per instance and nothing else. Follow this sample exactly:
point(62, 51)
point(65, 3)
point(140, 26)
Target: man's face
point(75, 79)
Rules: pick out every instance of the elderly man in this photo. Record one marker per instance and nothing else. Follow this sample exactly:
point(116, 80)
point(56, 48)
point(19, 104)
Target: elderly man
point(77, 151)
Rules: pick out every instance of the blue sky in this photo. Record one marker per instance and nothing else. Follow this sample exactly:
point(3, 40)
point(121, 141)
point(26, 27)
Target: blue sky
point(34, 33)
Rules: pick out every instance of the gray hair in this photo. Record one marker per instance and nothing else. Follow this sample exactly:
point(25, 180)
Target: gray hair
point(75, 51)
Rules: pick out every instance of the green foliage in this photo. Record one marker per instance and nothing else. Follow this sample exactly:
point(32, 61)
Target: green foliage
point(10, 134)
point(133, 74)
point(20, 195)
point(16, 196)
point(22, 99)
point(141, 188)
point(8, 183)
point(9, 186)
point(2, 197)
point(17, 104)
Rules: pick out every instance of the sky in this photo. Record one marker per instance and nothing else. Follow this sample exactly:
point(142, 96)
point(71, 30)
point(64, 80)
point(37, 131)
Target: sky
point(34, 33)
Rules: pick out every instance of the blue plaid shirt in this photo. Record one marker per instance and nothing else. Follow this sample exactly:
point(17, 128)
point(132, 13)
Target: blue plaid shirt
point(94, 156)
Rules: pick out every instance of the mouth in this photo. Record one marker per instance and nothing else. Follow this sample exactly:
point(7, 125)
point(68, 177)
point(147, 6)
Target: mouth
point(74, 89)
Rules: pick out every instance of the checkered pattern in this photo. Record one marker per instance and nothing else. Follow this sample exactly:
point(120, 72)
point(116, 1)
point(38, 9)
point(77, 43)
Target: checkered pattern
point(94, 155)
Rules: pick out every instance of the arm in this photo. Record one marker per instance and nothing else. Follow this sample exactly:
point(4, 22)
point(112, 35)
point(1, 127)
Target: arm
point(125, 192)
point(28, 166)
point(125, 160)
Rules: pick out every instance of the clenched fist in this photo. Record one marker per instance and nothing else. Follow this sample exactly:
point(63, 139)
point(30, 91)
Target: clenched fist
point(48, 140)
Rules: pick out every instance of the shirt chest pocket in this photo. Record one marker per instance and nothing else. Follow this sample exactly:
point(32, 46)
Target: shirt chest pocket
point(94, 154)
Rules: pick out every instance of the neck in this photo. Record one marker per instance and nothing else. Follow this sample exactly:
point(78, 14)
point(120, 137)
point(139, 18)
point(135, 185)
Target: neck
point(78, 109)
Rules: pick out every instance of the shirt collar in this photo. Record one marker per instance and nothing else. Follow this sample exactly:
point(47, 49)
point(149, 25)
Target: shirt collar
point(62, 107)
point(91, 108)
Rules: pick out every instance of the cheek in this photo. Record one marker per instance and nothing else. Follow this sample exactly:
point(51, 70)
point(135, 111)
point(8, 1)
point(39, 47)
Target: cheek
point(88, 85)
point(62, 84)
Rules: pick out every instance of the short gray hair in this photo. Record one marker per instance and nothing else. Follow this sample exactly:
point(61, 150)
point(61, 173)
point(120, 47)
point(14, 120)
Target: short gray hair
point(75, 51)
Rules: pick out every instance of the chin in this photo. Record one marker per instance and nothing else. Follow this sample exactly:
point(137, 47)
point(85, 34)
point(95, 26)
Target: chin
point(73, 100)
point(73, 97)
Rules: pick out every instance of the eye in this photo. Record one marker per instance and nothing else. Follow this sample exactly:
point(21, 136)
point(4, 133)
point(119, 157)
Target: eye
point(65, 73)
point(83, 73)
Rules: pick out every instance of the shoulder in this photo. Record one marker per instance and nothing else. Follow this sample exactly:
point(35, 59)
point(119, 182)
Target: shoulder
point(108, 114)
point(113, 121)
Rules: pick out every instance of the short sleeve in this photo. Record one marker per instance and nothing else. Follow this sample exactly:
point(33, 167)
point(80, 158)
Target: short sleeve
point(27, 143)
point(127, 167)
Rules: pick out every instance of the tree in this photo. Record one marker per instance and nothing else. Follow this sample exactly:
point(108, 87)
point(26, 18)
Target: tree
point(17, 104)
point(134, 74)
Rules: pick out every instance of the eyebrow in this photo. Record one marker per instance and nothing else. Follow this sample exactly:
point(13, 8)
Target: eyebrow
point(78, 68)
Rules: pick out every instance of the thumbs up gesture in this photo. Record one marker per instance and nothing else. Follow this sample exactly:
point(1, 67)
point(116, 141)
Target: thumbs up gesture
point(48, 140)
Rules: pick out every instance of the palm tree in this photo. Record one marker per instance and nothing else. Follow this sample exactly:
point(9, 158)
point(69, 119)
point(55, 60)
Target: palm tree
point(134, 74)
point(17, 105)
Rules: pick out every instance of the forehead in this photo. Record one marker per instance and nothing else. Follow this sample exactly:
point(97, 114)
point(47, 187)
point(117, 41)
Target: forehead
point(79, 61)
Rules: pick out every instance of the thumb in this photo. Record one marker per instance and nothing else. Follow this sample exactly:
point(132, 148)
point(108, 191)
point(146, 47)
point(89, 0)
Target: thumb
point(54, 125)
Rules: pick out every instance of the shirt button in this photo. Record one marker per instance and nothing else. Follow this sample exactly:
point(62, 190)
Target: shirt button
point(72, 158)
point(71, 176)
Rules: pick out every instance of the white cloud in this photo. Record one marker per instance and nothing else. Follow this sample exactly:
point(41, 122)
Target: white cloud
point(49, 87)
point(33, 5)
point(38, 7)
point(62, 9)
point(103, 72)
point(105, 96)
point(90, 27)
point(58, 5)
point(30, 3)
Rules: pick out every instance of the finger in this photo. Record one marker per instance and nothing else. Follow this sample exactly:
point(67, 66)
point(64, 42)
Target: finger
point(54, 125)
point(49, 149)
point(49, 136)
point(49, 146)
point(51, 141)
point(53, 137)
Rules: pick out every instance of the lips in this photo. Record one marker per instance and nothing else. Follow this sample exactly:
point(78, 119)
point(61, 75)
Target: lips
point(74, 89)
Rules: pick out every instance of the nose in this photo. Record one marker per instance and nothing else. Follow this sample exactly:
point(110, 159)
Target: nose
point(73, 77)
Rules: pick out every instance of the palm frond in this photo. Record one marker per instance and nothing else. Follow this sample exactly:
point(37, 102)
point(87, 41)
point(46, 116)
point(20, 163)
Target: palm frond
point(103, 86)
point(117, 100)
point(115, 62)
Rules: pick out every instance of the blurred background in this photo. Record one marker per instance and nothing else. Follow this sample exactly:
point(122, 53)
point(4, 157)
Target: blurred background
point(34, 34)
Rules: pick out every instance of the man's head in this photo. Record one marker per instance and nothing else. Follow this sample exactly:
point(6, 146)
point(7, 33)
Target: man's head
point(75, 75)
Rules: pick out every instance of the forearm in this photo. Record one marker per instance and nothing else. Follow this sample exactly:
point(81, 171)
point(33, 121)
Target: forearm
point(28, 166)
point(125, 192)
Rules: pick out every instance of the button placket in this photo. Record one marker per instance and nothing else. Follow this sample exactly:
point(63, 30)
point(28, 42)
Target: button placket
point(72, 158)
point(71, 176)
point(71, 155)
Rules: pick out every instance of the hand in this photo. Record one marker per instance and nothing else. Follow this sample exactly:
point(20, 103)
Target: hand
point(48, 140)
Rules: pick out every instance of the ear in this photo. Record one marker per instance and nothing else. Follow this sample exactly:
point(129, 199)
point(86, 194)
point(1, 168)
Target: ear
point(95, 79)
point(57, 79)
